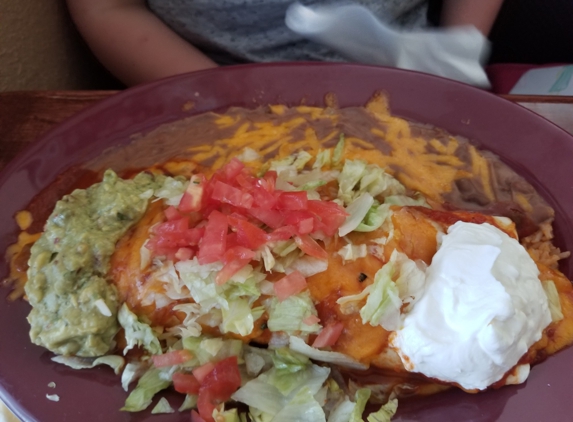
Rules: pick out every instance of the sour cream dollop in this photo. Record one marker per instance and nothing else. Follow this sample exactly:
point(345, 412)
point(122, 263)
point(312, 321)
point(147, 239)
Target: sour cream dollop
point(482, 308)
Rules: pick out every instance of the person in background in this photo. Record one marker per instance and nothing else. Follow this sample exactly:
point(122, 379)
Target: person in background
point(140, 41)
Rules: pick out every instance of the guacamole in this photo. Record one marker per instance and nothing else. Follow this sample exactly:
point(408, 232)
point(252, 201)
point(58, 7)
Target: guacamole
point(74, 306)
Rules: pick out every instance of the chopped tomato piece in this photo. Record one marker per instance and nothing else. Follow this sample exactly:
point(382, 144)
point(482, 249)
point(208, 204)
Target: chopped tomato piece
point(232, 169)
point(202, 371)
point(218, 386)
point(185, 383)
point(309, 246)
point(289, 285)
point(329, 335)
point(175, 357)
point(282, 233)
point(246, 181)
point(269, 180)
point(305, 226)
point(193, 236)
point(272, 218)
point(171, 226)
point(292, 201)
point(263, 198)
point(226, 193)
point(213, 243)
point(248, 234)
point(172, 213)
point(234, 259)
point(330, 215)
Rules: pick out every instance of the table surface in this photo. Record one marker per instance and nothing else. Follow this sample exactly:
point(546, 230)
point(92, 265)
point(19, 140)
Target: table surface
point(25, 116)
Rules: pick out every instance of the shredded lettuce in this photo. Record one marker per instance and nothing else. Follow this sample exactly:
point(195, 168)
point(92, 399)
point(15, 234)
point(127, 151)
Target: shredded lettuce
point(352, 172)
point(553, 300)
point(189, 402)
point(162, 406)
point(385, 413)
point(374, 218)
point(152, 382)
point(206, 349)
point(357, 210)
point(322, 159)
point(361, 397)
point(288, 315)
point(350, 252)
point(287, 392)
point(172, 190)
point(248, 155)
point(308, 265)
point(338, 151)
point(137, 333)
point(132, 372)
point(383, 303)
point(298, 345)
point(115, 362)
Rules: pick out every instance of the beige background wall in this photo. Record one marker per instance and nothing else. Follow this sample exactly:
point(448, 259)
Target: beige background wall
point(40, 49)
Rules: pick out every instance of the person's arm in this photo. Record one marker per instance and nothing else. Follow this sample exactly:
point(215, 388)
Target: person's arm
point(132, 43)
point(479, 13)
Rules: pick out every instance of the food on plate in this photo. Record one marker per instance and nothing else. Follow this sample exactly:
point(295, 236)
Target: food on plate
point(298, 263)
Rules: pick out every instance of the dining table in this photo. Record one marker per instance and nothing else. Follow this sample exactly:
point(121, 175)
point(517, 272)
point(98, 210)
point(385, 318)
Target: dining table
point(25, 116)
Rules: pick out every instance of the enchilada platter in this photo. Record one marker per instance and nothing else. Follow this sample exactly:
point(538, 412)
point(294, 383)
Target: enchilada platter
point(108, 135)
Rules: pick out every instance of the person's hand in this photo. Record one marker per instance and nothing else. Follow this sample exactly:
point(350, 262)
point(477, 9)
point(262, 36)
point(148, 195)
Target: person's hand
point(132, 43)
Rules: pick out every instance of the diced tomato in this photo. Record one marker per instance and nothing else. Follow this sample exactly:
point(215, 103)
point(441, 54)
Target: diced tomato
point(213, 243)
point(193, 236)
point(185, 383)
point(305, 226)
point(303, 221)
point(192, 197)
point(234, 259)
point(172, 213)
point(272, 218)
point(246, 181)
point(289, 285)
point(184, 254)
point(232, 169)
point(329, 335)
point(175, 357)
point(202, 371)
point(269, 180)
point(171, 226)
point(309, 246)
point(330, 214)
point(195, 417)
point(232, 240)
point(226, 193)
point(218, 386)
point(292, 201)
point(263, 198)
point(282, 233)
point(166, 244)
point(248, 234)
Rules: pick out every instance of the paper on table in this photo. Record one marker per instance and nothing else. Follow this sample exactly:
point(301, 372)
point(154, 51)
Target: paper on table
point(355, 33)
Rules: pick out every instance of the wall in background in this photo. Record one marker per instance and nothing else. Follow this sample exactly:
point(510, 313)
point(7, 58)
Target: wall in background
point(41, 50)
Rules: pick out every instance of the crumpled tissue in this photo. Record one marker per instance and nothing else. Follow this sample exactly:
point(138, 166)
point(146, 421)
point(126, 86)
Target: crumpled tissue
point(357, 35)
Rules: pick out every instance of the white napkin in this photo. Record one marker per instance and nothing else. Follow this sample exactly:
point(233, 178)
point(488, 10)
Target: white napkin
point(356, 34)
